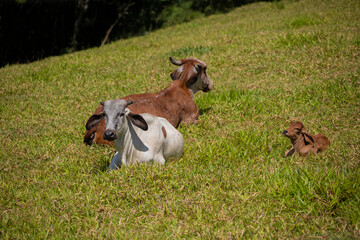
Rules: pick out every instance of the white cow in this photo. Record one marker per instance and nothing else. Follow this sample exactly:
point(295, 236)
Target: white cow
point(142, 138)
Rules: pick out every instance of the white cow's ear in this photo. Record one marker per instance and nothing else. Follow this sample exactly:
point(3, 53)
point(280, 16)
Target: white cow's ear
point(94, 120)
point(137, 120)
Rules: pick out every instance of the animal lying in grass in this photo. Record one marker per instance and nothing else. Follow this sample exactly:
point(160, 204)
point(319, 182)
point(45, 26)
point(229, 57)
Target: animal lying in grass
point(175, 103)
point(304, 143)
point(139, 138)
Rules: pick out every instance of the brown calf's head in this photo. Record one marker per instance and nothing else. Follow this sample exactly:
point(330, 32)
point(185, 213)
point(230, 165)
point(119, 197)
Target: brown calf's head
point(294, 131)
point(297, 133)
point(193, 72)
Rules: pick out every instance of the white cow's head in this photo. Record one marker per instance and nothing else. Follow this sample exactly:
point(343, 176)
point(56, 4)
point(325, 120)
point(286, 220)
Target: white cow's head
point(116, 114)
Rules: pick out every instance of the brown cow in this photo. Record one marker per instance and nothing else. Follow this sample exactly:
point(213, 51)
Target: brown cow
point(175, 103)
point(304, 143)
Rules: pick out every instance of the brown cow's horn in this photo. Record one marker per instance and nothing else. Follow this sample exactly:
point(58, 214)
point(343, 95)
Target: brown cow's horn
point(175, 62)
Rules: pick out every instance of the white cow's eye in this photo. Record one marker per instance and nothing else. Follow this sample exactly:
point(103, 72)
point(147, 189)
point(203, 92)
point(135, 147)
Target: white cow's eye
point(122, 114)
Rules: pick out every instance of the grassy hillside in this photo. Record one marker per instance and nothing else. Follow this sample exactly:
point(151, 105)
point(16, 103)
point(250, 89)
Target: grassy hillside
point(271, 63)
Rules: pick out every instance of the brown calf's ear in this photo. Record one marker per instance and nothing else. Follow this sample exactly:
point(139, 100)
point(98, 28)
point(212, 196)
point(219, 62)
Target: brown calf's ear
point(94, 120)
point(307, 138)
point(138, 121)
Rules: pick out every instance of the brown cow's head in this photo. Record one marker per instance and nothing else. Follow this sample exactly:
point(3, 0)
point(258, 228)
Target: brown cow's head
point(95, 128)
point(193, 72)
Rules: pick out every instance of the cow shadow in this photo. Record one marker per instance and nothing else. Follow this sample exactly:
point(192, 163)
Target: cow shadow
point(203, 111)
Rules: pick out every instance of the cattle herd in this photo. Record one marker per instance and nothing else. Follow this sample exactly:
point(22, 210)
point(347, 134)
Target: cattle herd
point(142, 127)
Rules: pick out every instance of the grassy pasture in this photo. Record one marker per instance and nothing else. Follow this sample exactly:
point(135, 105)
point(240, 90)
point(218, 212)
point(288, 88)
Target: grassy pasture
point(271, 63)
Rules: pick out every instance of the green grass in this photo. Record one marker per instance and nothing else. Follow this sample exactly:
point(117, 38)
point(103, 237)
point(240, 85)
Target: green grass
point(270, 65)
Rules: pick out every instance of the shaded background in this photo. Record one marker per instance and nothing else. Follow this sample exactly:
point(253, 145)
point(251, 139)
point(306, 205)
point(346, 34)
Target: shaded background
point(34, 29)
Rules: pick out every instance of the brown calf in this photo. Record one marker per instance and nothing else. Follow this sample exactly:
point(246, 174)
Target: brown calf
point(304, 143)
point(174, 103)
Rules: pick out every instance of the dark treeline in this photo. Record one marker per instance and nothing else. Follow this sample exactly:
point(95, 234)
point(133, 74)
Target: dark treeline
point(34, 29)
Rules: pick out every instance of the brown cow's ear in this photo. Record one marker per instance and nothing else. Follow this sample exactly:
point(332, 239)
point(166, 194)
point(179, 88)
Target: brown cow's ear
point(94, 120)
point(191, 80)
point(175, 75)
point(138, 121)
point(307, 138)
point(198, 67)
